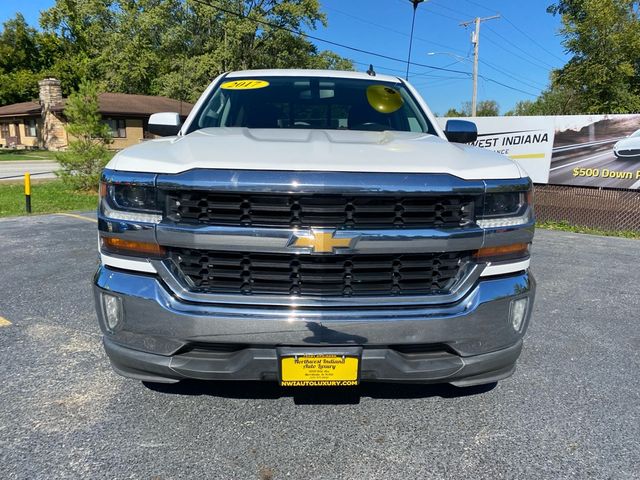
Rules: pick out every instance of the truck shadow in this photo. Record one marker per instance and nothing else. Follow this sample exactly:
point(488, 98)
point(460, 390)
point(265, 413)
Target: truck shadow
point(317, 396)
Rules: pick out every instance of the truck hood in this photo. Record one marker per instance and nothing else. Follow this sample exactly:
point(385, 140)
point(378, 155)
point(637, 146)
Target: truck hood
point(314, 150)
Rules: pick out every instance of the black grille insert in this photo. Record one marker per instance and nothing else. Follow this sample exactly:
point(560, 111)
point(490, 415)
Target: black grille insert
point(320, 275)
point(319, 210)
point(630, 152)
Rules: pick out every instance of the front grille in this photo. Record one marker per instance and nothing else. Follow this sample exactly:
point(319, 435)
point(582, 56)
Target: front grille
point(629, 153)
point(319, 210)
point(319, 275)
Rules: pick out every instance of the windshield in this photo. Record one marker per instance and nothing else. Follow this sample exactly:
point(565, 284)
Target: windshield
point(312, 102)
point(635, 134)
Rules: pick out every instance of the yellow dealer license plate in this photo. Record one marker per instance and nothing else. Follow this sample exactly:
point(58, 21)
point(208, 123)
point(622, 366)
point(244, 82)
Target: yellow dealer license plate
point(319, 370)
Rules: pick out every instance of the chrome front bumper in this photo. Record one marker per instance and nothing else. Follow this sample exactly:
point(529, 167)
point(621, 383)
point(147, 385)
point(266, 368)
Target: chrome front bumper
point(164, 339)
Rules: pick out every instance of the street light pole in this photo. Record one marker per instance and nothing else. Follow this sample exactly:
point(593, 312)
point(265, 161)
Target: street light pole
point(413, 21)
point(475, 39)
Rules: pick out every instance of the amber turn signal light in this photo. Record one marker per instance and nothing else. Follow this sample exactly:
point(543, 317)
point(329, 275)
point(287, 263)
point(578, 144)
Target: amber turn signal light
point(118, 245)
point(503, 252)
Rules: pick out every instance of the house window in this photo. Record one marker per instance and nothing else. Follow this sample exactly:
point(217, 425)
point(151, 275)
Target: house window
point(118, 127)
point(30, 128)
point(4, 130)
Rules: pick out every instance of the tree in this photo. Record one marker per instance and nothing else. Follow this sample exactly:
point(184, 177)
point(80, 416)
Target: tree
point(87, 154)
point(484, 108)
point(82, 30)
point(242, 36)
point(603, 76)
point(452, 112)
point(523, 107)
point(18, 46)
point(19, 59)
point(176, 47)
point(157, 47)
point(487, 108)
point(556, 100)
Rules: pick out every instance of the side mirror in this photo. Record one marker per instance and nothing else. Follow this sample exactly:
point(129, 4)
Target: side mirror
point(461, 131)
point(165, 124)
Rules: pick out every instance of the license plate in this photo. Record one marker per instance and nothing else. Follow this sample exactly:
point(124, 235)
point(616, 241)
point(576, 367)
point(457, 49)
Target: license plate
point(319, 370)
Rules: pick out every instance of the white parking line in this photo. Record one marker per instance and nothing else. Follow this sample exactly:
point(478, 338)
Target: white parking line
point(580, 161)
point(635, 185)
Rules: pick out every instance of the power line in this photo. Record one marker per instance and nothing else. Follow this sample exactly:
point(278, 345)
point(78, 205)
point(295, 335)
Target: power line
point(435, 13)
point(349, 47)
point(427, 74)
point(528, 54)
point(487, 79)
point(515, 54)
point(313, 37)
point(521, 31)
point(439, 83)
point(509, 41)
point(457, 12)
point(535, 42)
point(431, 12)
point(479, 5)
point(532, 39)
point(389, 29)
point(495, 68)
point(527, 82)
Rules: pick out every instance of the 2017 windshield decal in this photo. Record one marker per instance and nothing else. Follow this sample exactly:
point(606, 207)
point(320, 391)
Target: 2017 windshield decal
point(244, 84)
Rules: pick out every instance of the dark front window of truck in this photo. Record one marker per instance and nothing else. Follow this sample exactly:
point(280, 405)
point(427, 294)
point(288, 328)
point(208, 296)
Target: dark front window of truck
point(312, 103)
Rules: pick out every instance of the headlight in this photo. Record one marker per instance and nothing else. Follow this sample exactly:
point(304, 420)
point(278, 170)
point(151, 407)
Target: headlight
point(134, 197)
point(132, 201)
point(504, 209)
point(503, 204)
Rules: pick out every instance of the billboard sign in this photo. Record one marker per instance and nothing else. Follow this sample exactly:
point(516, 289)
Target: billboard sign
point(580, 150)
point(596, 151)
point(527, 140)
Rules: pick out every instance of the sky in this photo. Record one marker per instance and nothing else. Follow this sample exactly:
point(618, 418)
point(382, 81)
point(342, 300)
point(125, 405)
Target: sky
point(518, 50)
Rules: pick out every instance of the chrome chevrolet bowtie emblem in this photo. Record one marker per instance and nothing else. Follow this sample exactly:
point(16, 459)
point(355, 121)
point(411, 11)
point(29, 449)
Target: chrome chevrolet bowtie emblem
point(320, 241)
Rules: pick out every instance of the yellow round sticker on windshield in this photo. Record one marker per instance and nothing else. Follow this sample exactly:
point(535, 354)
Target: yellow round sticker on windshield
point(244, 84)
point(384, 99)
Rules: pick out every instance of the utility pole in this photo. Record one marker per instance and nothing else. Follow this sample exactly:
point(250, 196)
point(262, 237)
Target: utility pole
point(475, 40)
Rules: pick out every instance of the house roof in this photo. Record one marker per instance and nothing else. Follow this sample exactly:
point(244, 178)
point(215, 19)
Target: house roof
point(137, 105)
point(110, 104)
point(20, 109)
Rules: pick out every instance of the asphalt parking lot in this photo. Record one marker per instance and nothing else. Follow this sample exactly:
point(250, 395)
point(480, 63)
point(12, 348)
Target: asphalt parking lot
point(572, 410)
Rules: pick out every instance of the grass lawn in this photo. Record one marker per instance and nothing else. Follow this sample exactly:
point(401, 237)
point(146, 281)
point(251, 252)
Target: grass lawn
point(567, 227)
point(46, 197)
point(17, 155)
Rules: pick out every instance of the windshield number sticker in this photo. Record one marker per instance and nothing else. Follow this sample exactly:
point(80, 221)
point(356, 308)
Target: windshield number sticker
point(244, 84)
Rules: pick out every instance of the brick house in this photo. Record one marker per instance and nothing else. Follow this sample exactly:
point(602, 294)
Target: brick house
point(42, 124)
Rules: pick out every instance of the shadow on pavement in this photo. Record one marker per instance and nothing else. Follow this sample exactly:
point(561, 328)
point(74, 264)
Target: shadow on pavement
point(317, 396)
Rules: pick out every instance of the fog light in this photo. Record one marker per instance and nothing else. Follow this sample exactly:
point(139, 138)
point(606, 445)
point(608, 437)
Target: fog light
point(112, 311)
point(518, 312)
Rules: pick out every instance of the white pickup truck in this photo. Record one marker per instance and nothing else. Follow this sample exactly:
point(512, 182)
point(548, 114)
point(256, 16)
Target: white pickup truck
point(315, 228)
